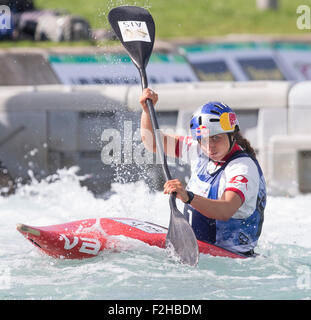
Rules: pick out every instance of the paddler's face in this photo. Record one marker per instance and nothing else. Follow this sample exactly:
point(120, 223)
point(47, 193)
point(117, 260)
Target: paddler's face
point(216, 147)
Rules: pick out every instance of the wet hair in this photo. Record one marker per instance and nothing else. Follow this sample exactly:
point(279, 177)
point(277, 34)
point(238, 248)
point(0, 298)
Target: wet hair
point(244, 143)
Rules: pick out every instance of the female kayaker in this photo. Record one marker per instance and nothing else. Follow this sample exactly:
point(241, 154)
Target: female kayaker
point(225, 197)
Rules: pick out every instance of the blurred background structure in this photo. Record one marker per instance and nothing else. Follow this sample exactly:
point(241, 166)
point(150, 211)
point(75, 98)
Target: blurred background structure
point(65, 81)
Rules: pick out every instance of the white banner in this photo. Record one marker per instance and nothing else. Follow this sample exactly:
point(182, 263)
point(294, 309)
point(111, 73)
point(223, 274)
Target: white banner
point(208, 62)
point(118, 69)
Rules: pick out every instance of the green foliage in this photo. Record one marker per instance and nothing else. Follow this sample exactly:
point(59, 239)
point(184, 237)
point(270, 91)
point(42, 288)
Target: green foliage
point(184, 18)
point(193, 18)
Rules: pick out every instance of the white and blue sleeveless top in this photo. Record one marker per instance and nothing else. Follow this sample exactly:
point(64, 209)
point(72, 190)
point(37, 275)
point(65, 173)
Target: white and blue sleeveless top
point(238, 173)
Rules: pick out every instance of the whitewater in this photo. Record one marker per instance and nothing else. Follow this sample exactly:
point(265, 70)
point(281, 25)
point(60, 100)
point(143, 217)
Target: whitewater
point(281, 271)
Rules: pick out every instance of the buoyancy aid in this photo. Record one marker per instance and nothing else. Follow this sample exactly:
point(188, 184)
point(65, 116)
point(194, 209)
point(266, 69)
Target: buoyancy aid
point(239, 235)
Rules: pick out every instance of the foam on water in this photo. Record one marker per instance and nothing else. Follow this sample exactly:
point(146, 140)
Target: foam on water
point(282, 271)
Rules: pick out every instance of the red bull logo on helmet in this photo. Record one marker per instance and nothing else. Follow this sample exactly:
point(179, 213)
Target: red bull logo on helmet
point(228, 121)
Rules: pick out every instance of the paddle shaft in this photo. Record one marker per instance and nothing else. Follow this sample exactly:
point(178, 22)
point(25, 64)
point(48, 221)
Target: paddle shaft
point(155, 128)
point(158, 139)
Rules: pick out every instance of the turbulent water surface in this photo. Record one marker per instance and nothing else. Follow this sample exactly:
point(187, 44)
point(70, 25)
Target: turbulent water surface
point(282, 271)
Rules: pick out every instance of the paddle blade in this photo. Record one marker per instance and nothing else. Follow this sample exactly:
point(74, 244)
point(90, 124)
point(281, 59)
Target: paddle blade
point(134, 26)
point(181, 238)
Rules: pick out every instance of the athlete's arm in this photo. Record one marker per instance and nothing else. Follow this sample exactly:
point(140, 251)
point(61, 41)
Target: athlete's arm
point(221, 209)
point(147, 136)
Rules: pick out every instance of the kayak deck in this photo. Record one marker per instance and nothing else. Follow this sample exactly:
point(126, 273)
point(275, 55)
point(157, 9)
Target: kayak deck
point(87, 238)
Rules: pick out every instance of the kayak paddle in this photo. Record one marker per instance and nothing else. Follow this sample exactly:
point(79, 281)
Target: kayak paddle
point(135, 28)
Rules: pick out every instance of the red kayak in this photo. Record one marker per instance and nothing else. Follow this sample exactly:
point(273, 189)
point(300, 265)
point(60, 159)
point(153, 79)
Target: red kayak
point(87, 238)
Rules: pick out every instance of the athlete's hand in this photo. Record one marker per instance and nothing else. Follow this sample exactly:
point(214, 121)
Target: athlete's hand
point(175, 185)
point(148, 94)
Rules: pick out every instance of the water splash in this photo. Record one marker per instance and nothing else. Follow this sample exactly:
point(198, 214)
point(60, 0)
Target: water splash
point(143, 271)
